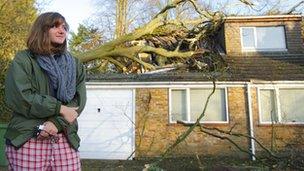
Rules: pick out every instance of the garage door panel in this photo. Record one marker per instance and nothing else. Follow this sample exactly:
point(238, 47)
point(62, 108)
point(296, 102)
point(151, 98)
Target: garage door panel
point(106, 113)
point(113, 119)
point(109, 92)
point(97, 132)
point(119, 143)
point(112, 156)
point(104, 109)
point(106, 125)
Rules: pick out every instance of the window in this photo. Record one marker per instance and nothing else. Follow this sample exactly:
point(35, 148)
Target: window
point(248, 40)
point(292, 109)
point(267, 101)
point(283, 105)
point(179, 106)
point(188, 104)
point(263, 38)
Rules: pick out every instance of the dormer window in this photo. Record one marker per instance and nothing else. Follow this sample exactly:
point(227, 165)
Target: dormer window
point(263, 39)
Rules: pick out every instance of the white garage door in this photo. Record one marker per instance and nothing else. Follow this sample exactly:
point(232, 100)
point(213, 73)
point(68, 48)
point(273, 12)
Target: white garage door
point(106, 126)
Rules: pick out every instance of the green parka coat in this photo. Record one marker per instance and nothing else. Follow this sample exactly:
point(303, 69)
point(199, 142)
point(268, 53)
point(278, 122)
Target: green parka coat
point(28, 95)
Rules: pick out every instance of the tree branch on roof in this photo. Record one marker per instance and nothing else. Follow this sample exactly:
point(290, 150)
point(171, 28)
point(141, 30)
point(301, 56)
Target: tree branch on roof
point(165, 38)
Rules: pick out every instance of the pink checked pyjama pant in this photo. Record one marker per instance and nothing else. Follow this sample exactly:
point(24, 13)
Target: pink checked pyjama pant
point(43, 155)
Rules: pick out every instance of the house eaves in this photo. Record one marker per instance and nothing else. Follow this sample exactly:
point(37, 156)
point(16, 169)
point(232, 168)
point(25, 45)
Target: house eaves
point(265, 18)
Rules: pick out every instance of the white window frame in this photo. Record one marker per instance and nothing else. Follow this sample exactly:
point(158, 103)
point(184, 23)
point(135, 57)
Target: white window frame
point(254, 49)
point(188, 105)
point(277, 104)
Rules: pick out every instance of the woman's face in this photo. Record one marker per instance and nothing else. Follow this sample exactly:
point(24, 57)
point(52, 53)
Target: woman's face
point(58, 33)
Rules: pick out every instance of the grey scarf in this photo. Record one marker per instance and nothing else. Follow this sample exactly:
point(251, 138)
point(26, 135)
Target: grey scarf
point(61, 70)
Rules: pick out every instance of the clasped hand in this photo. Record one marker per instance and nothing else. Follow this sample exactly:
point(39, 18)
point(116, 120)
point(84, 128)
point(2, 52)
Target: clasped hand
point(49, 129)
point(69, 113)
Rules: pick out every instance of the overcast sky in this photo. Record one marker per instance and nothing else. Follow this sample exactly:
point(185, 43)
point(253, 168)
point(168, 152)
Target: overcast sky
point(75, 12)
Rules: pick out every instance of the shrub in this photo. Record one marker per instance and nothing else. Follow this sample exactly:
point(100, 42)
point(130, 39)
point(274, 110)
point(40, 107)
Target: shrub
point(5, 112)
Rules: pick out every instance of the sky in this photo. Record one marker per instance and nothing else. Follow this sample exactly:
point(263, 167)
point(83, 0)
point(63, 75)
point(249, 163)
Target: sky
point(75, 12)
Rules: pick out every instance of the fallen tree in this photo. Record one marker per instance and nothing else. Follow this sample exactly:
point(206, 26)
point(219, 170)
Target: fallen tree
point(175, 41)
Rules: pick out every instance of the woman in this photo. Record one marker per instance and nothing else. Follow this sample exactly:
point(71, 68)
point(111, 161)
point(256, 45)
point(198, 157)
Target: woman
point(45, 88)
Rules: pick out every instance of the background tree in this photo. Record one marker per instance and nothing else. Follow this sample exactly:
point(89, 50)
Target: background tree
point(134, 14)
point(121, 17)
point(15, 20)
point(86, 38)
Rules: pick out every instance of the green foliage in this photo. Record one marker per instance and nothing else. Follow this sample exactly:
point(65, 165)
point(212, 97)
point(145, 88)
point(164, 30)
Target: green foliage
point(86, 38)
point(4, 111)
point(16, 18)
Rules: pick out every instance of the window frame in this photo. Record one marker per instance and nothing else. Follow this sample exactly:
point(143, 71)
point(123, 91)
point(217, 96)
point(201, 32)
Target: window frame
point(255, 49)
point(277, 105)
point(188, 105)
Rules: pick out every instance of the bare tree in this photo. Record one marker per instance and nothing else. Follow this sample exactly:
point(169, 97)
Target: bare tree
point(121, 17)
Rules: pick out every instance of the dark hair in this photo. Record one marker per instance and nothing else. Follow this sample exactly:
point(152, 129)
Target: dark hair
point(38, 40)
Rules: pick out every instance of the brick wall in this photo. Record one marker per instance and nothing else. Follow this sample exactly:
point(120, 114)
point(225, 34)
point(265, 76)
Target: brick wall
point(154, 133)
point(292, 31)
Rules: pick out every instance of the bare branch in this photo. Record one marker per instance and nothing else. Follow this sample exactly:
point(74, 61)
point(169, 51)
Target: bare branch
point(242, 135)
point(201, 12)
point(170, 54)
point(247, 2)
point(168, 7)
point(183, 136)
point(292, 9)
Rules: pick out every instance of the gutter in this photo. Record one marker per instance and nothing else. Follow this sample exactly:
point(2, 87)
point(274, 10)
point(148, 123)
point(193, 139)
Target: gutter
point(264, 18)
point(251, 131)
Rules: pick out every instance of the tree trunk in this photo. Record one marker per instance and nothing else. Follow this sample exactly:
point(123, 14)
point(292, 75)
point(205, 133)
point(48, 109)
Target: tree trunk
point(121, 18)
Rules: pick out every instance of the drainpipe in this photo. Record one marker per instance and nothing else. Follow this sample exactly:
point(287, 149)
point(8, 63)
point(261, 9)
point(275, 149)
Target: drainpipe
point(250, 121)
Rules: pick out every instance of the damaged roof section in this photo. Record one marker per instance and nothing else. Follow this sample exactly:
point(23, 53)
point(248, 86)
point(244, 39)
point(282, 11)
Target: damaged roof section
point(229, 60)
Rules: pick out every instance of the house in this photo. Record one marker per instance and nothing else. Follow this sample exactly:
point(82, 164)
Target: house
point(131, 116)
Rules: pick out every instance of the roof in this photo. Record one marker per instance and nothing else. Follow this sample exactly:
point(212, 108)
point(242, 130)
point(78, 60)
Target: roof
point(239, 68)
point(268, 68)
